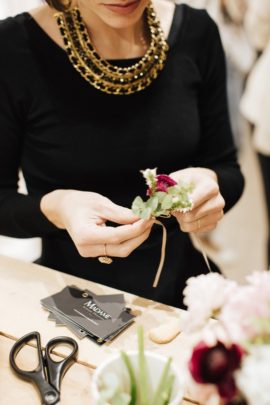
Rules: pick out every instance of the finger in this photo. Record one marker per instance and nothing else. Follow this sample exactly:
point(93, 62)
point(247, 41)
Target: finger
point(118, 214)
point(212, 206)
point(202, 224)
point(127, 247)
point(95, 234)
point(204, 191)
point(114, 250)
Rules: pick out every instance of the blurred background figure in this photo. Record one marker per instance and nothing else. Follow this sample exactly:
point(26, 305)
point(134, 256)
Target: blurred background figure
point(240, 57)
point(13, 7)
point(28, 249)
point(229, 16)
point(255, 104)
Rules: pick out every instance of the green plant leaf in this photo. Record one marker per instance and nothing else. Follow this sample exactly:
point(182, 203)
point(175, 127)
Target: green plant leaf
point(169, 388)
point(167, 202)
point(161, 388)
point(138, 203)
point(152, 203)
point(143, 375)
point(160, 195)
point(132, 377)
point(173, 190)
point(146, 213)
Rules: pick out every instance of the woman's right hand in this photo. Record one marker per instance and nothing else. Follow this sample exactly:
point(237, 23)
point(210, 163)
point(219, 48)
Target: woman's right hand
point(84, 215)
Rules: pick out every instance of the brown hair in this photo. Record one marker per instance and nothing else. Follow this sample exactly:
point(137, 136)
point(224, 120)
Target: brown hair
point(60, 5)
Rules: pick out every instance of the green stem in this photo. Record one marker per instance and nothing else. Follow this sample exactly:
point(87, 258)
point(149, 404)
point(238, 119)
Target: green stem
point(161, 388)
point(143, 380)
point(168, 392)
point(131, 373)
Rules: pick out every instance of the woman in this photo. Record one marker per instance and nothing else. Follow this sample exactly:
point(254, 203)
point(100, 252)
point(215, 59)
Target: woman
point(88, 98)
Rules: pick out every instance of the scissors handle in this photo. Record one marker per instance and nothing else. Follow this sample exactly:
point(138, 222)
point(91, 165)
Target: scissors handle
point(49, 394)
point(57, 369)
point(48, 374)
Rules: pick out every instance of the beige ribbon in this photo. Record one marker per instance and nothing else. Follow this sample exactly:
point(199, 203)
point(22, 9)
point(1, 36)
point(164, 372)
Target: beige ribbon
point(162, 254)
point(200, 247)
point(163, 248)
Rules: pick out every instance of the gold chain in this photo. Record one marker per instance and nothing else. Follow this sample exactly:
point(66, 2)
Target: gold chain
point(99, 72)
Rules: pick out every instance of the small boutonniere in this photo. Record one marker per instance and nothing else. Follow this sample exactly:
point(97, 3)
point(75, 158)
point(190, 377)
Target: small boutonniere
point(165, 196)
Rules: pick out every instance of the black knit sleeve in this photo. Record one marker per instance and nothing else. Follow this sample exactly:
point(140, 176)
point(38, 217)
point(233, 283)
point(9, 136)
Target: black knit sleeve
point(20, 215)
point(217, 150)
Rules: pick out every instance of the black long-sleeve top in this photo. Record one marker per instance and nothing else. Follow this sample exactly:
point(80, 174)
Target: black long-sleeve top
point(65, 134)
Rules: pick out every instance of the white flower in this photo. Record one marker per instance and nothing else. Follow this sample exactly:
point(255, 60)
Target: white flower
point(253, 377)
point(260, 280)
point(205, 295)
point(149, 175)
point(245, 315)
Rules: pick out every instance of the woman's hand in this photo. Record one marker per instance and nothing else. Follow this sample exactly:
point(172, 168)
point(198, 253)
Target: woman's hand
point(208, 203)
point(84, 215)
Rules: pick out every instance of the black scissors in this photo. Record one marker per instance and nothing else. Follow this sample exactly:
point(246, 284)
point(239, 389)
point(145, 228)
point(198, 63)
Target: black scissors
point(49, 373)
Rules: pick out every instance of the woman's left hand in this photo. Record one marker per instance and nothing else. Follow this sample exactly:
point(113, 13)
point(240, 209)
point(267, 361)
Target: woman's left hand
point(208, 203)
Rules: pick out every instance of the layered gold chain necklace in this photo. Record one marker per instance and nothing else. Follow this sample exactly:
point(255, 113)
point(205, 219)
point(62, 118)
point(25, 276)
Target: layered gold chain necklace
point(102, 74)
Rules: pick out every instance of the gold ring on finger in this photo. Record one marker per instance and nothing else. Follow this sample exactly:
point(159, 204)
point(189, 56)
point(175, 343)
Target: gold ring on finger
point(105, 259)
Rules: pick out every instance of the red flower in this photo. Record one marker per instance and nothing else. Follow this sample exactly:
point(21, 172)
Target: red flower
point(215, 365)
point(162, 184)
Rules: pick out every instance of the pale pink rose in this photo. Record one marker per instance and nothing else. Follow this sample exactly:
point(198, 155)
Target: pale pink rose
point(253, 377)
point(260, 280)
point(241, 313)
point(213, 332)
point(205, 296)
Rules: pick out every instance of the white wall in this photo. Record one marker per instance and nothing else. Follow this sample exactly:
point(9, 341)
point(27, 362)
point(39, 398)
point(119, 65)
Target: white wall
point(13, 7)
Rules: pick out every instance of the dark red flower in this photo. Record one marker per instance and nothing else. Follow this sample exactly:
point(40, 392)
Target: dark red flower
point(163, 182)
point(215, 365)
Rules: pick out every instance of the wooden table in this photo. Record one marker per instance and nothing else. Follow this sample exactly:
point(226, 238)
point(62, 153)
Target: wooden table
point(22, 285)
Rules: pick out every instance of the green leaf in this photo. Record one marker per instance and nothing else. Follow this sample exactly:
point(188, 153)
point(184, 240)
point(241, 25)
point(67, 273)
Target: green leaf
point(146, 213)
point(161, 388)
point(152, 203)
point(131, 373)
point(143, 375)
point(167, 202)
point(138, 203)
point(169, 388)
point(160, 195)
point(173, 190)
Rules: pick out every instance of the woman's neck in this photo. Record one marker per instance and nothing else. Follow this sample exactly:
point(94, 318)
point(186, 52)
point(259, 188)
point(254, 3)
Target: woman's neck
point(120, 44)
point(116, 43)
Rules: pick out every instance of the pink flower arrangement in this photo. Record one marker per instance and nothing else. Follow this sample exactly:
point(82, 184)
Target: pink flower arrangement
point(233, 325)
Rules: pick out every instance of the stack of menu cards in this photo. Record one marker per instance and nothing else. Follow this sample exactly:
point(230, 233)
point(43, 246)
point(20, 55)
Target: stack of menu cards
point(98, 317)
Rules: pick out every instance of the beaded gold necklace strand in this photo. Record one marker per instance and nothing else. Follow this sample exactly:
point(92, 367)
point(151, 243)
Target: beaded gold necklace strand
point(99, 72)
